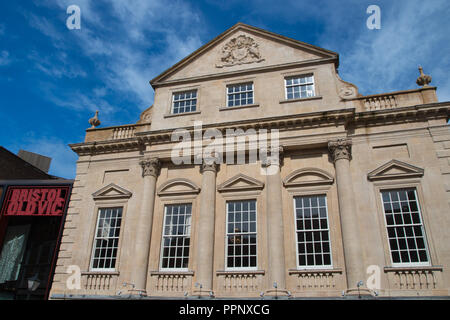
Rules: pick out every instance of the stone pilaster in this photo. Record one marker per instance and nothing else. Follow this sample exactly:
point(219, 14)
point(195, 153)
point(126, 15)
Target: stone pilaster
point(275, 227)
point(206, 224)
point(150, 171)
point(340, 151)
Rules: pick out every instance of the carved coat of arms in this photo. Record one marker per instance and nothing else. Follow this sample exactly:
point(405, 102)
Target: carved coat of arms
point(239, 50)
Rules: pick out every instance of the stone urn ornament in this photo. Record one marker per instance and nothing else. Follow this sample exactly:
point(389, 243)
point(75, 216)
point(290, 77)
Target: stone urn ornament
point(94, 121)
point(423, 80)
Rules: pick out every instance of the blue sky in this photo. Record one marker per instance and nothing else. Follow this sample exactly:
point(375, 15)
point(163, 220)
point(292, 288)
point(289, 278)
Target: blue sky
point(52, 79)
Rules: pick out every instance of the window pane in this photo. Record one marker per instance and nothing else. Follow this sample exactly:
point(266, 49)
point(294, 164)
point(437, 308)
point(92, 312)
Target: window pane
point(175, 244)
point(300, 87)
point(404, 227)
point(104, 251)
point(313, 244)
point(184, 102)
point(241, 239)
point(241, 94)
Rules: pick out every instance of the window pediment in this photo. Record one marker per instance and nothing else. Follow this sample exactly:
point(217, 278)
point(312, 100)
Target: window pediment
point(178, 186)
point(111, 191)
point(308, 177)
point(240, 182)
point(395, 169)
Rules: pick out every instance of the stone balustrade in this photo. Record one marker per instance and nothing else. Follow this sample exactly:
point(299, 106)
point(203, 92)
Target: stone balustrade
point(232, 282)
point(316, 280)
point(123, 132)
point(380, 102)
point(414, 278)
point(167, 283)
point(115, 133)
point(398, 99)
point(99, 281)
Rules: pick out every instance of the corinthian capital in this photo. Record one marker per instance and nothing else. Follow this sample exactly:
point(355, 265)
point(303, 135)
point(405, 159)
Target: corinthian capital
point(272, 155)
point(209, 164)
point(340, 149)
point(150, 167)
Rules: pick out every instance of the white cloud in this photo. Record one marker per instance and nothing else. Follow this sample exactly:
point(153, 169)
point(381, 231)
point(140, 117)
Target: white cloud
point(4, 58)
point(137, 41)
point(384, 60)
point(63, 162)
point(56, 65)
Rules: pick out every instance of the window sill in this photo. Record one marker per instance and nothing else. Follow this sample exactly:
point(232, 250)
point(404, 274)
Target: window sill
point(162, 273)
point(230, 272)
point(99, 273)
point(170, 115)
point(412, 268)
point(239, 107)
point(301, 99)
point(314, 270)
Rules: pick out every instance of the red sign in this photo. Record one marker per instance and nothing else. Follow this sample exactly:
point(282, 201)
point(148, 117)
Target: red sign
point(35, 201)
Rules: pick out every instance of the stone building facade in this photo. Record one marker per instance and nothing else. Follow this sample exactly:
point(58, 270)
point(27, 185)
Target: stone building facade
point(357, 196)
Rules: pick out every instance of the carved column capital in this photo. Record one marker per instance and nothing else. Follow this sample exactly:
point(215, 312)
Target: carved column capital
point(209, 164)
point(340, 149)
point(150, 167)
point(272, 155)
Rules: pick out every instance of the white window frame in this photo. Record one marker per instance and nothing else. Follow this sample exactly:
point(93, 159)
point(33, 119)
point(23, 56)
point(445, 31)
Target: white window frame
point(163, 236)
point(96, 237)
point(299, 85)
point(172, 111)
point(240, 92)
point(247, 233)
point(312, 267)
point(406, 264)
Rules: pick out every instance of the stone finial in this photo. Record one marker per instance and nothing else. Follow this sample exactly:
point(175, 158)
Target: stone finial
point(423, 80)
point(94, 121)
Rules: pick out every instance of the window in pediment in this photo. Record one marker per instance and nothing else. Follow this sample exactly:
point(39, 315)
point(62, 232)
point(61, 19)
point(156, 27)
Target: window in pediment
point(184, 101)
point(240, 94)
point(298, 87)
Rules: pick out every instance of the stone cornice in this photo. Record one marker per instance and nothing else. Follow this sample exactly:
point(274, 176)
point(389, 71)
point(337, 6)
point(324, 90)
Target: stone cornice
point(395, 169)
point(108, 146)
point(347, 116)
point(247, 183)
point(402, 114)
point(111, 191)
point(316, 176)
point(185, 186)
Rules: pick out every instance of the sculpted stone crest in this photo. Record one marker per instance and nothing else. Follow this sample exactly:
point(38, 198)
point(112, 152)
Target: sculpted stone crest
point(347, 92)
point(239, 50)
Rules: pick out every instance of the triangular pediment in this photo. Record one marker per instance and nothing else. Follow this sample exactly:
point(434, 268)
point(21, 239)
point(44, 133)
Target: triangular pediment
point(178, 186)
point(395, 169)
point(111, 191)
point(308, 177)
point(240, 48)
point(240, 182)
